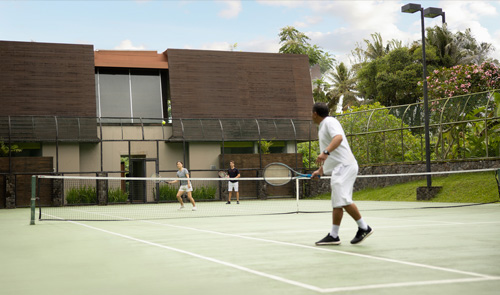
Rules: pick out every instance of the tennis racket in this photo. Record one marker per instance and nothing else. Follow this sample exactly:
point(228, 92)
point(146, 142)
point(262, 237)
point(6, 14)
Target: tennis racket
point(277, 174)
point(222, 174)
point(156, 175)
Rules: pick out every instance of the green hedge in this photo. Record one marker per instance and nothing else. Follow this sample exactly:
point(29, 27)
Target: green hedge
point(169, 192)
point(88, 195)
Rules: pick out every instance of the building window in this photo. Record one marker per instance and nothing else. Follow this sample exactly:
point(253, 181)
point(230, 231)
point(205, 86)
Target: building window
point(238, 147)
point(250, 147)
point(128, 95)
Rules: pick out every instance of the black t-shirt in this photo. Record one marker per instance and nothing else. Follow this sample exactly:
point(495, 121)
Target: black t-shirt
point(233, 173)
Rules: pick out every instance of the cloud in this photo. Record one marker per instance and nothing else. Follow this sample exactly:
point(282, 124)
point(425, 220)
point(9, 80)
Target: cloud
point(361, 15)
point(232, 10)
point(127, 45)
point(260, 45)
point(357, 21)
point(225, 46)
point(309, 20)
point(288, 4)
point(256, 45)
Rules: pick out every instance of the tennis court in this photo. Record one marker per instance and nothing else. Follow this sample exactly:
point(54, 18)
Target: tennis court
point(449, 250)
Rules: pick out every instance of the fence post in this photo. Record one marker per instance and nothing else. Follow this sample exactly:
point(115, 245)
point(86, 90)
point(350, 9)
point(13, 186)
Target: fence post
point(33, 199)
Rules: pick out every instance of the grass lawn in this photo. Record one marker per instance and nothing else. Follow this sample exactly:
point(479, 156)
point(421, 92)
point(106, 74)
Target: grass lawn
point(457, 188)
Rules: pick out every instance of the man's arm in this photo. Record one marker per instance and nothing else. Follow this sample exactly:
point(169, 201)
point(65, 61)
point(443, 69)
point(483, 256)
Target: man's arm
point(336, 141)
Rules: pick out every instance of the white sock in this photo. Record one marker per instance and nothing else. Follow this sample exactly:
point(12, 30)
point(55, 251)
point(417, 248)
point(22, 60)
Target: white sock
point(335, 231)
point(362, 224)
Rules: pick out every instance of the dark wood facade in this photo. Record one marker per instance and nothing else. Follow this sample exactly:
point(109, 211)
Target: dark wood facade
point(47, 79)
point(15, 189)
point(239, 85)
point(246, 85)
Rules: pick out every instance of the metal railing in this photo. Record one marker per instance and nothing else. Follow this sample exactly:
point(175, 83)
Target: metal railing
point(461, 127)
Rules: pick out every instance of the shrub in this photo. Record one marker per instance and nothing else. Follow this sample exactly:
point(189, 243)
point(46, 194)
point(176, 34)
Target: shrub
point(116, 195)
point(82, 195)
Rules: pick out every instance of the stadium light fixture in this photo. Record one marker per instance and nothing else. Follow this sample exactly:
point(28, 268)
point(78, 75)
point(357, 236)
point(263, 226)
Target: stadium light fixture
point(428, 12)
point(432, 12)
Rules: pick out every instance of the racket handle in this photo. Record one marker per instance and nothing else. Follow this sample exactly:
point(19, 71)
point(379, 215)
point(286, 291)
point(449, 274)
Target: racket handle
point(308, 176)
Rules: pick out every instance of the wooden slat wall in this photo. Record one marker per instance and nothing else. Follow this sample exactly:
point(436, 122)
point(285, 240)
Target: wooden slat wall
point(222, 84)
point(47, 79)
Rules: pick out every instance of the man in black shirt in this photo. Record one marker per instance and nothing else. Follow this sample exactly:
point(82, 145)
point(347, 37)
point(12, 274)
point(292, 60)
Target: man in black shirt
point(233, 184)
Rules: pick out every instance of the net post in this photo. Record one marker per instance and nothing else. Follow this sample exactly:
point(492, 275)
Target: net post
point(33, 199)
point(297, 192)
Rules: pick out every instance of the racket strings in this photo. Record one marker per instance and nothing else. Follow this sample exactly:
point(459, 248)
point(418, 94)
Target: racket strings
point(277, 175)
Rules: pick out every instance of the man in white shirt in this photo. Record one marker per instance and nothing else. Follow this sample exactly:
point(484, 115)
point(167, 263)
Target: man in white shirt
point(337, 160)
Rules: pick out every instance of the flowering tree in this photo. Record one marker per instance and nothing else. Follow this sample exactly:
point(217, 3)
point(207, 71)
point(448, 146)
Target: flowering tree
point(461, 93)
point(463, 79)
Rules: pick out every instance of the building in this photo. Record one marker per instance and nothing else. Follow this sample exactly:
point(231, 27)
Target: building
point(102, 111)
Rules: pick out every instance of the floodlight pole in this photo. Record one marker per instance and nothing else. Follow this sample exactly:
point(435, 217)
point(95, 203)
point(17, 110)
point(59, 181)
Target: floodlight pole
point(429, 12)
point(426, 106)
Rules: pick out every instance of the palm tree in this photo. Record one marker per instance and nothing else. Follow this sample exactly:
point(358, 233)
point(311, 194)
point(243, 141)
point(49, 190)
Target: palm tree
point(344, 85)
point(469, 49)
point(376, 48)
point(459, 48)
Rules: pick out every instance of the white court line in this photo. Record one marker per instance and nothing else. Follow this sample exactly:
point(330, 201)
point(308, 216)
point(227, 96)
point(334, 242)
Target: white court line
point(329, 250)
point(406, 284)
point(355, 228)
point(479, 277)
point(239, 267)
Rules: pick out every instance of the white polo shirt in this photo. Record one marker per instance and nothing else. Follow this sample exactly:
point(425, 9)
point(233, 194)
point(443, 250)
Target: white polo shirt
point(328, 129)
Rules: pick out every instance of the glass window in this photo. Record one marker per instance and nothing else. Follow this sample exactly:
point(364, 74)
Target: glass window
point(146, 94)
point(129, 93)
point(114, 93)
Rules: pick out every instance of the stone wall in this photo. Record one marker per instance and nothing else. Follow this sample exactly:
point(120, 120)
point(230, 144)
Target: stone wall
point(316, 187)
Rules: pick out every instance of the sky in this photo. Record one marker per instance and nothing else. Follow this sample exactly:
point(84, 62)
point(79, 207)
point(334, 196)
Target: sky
point(252, 26)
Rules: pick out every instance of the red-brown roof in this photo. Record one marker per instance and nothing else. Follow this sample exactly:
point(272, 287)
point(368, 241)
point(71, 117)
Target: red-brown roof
point(130, 59)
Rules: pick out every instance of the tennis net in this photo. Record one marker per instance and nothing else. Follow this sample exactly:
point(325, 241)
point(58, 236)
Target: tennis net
point(135, 198)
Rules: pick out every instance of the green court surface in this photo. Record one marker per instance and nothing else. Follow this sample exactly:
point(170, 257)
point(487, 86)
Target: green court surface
point(412, 251)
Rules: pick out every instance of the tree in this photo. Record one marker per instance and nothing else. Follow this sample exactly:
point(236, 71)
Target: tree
point(322, 93)
point(459, 48)
point(295, 42)
point(443, 41)
point(470, 51)
point(451, 91)
point(344, 85)
point(463, 79)
point(375, 48)
point(392, 79)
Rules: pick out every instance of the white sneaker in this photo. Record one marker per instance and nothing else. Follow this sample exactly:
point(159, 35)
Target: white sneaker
point(182, 207)
point(194, 209)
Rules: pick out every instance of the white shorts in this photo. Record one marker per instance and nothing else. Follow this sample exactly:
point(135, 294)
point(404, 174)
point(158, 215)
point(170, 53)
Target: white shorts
point(342, 184)
point(232, 186)
point(185, 188)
